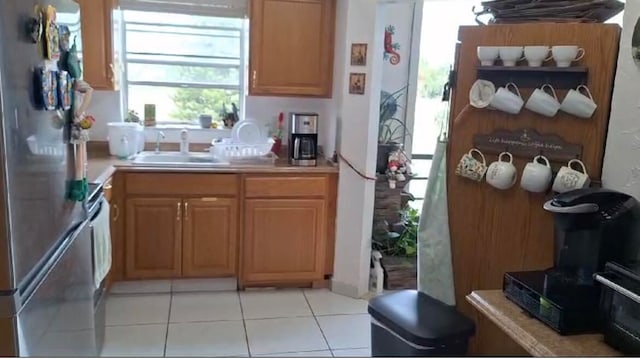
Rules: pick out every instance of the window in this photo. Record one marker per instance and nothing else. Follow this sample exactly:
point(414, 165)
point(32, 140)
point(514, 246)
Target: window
point(440, 22)
point(185, 64)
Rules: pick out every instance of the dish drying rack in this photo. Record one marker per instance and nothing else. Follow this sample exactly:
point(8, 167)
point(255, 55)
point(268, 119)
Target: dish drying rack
point(248, 154)
point(45, 149)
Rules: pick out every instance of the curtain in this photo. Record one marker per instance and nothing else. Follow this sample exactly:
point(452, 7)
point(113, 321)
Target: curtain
point(221, 8)
point(435, 268)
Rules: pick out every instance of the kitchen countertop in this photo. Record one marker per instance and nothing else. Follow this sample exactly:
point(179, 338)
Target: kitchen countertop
point(535, 337)
point(102, 166)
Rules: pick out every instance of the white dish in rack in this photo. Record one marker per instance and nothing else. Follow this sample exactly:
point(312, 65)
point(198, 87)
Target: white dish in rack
point(247, 132)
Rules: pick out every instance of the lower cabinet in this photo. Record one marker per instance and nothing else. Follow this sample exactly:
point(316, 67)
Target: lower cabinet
point(209, 237)
point(181, 238)
point(263, 229)
point(284, 240)
point(153, 238)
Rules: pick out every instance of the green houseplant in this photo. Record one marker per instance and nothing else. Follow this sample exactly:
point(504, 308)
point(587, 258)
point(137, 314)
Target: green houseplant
point(391, 130)
point(399, 249)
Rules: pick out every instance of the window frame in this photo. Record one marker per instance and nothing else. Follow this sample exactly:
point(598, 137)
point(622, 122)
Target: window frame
point(241, 67)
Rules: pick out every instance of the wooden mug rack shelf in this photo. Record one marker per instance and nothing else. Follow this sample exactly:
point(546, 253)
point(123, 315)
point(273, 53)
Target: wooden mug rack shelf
point(527, 143)
point(533, 77)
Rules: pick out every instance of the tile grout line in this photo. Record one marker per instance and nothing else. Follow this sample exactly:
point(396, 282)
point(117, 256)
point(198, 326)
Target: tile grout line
point(317, 323)
point(244, 324)
point(166, 337)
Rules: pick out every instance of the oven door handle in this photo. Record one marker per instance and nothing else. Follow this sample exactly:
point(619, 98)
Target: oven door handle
point(618, 288)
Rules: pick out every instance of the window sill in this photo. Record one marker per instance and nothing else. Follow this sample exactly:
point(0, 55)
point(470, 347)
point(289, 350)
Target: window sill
point(196, 133)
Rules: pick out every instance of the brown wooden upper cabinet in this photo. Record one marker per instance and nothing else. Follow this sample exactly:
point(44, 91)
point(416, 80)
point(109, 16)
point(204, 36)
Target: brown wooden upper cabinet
point(100, 60)
point(291, 47)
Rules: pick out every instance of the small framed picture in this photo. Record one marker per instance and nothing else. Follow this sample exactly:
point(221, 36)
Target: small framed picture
point(358, 54)
point(356, 83)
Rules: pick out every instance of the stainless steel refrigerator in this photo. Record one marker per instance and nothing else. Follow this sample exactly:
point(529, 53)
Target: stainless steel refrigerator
point(46, 275)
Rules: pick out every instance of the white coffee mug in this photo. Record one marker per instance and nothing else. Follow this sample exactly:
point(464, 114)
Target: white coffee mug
point(536, 55)
point(544, 102)
point(565, 55)
point(488, 54)
point(510, 55)
point(578, 104)
point(502, 174)
point(508, 101)
point(536, 176)
point(569, 179)
point(481, 93)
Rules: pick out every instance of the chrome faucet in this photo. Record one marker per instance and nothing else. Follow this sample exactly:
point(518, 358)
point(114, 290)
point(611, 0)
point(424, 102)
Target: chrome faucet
point(184, 142)
point(159, 135)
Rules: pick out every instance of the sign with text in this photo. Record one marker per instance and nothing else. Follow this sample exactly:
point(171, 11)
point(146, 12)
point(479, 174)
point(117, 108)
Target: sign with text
point(527, 143)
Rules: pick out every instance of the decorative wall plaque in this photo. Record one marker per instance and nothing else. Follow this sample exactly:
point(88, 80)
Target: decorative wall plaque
point(527, 143)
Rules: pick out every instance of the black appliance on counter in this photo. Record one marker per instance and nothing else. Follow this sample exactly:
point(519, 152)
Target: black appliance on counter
point(592, 227)
point(620, 306)
point(303, 140)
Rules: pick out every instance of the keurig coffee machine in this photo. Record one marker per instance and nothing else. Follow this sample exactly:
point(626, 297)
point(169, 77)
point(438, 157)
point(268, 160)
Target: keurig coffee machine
point(592, 227)
point(303, 141)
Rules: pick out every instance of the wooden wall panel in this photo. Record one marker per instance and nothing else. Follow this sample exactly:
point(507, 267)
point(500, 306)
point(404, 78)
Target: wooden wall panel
point(497, 231)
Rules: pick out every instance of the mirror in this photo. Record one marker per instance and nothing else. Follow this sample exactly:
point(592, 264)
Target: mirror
point(635, 43)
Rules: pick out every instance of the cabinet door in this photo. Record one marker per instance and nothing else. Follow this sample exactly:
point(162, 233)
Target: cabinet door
point(291, 47)
point(153, 238)
point(210, 237)
point(98, 67)
point(284, 240)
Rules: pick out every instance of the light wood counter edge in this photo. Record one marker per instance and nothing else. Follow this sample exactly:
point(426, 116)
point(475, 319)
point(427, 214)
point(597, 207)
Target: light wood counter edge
point(508, 326)
point(528, 342)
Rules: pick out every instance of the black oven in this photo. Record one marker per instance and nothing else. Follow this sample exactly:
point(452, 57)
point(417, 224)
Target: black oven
point(620, 306)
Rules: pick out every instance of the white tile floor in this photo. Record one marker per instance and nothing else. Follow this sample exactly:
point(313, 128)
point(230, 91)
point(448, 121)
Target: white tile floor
point(275, 323)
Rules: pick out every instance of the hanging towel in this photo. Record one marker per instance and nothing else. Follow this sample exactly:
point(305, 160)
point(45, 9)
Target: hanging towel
point(435, 268)
point(101, 244)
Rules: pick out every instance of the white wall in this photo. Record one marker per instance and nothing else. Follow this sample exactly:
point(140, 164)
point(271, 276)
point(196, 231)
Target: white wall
point(400, 15)
point(358, 22)
point(621, 169)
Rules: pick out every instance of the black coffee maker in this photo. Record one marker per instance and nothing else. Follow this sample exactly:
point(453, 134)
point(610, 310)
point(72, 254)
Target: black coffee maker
point(592, 227)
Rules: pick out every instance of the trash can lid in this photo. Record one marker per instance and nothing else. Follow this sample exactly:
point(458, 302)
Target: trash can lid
point(421, 319)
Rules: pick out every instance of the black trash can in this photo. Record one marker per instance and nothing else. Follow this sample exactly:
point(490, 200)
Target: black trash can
point(412, 324)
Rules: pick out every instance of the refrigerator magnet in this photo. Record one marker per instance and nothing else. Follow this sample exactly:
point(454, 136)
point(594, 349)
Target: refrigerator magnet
point(47, 92)
point(35, 25)
point(64, 36)
point(52, 36)
point(64, 90)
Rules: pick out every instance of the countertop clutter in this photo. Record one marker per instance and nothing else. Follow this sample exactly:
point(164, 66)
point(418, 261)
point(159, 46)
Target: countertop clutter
point(535, 337)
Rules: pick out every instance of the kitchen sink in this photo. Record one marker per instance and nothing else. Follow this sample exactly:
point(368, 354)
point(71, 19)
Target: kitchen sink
point(177, 159)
